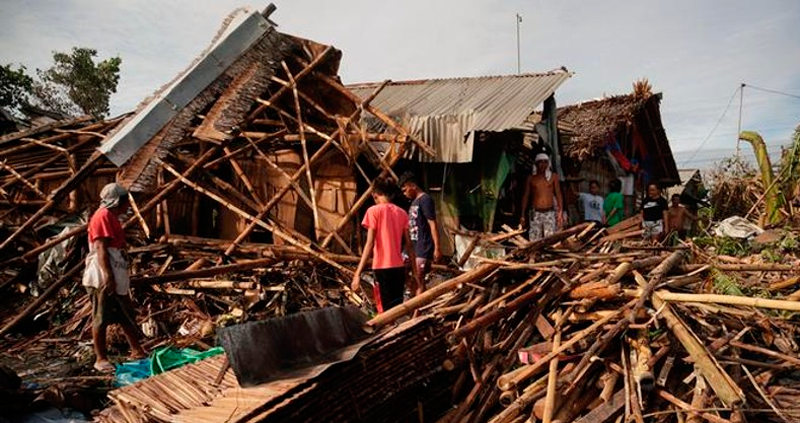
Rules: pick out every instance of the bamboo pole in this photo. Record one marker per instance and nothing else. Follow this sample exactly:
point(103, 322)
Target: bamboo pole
point(237, 169)
point(498, 313)
point(377, 113)
point(272, 228)
point(514, 379)
point(175, 184)
point(55, 197)
point(277, 197)
point(727, 391)
point(656, 277)
point(473, 275)
point(303, 144)
point(183, 275)
point(22, 179)
point(282, 90)
point(723, 299)
point(688, 408)
point(550, 397)
point(431, 294)
point(311, 203)
point(46, 246)
point(41, 299)
point(263, 138)
point(510, 293)
point(352, 296)
point(138, 215)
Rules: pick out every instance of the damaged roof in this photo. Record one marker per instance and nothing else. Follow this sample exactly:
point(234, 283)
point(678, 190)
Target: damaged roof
point(222, 83)
point(446, 113)
point(590, 124)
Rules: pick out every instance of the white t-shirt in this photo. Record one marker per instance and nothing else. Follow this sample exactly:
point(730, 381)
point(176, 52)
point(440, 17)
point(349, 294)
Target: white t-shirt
point(592, 206)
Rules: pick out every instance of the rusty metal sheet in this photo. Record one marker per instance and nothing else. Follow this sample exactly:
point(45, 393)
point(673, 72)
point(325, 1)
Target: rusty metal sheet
point(446, 113)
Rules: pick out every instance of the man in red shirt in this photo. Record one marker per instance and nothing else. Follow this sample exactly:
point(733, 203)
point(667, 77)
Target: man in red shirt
point(387, 230)
point(106, 276)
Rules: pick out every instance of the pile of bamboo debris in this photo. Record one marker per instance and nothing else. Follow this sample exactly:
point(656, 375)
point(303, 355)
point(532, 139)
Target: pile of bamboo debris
point(570, 329)
point(275, 155)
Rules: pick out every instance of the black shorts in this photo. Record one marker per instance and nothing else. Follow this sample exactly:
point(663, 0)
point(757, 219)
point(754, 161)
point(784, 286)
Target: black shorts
point(391, 285)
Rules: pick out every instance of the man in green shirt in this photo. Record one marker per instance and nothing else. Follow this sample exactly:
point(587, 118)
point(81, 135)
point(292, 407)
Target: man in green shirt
point(613, 203)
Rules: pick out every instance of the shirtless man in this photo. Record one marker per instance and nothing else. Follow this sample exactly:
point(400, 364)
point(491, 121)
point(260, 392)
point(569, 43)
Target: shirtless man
point(677, 215)
point(547, 215)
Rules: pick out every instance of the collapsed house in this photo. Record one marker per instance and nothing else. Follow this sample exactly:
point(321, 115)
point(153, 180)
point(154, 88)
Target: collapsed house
point(246, 173)
point(256, 140)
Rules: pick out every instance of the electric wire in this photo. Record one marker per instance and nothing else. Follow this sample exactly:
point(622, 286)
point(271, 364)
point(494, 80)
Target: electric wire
point(714, 129)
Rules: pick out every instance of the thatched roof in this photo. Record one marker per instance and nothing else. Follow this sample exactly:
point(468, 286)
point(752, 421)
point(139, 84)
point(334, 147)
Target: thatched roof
point(586, 128)
point(590, 123)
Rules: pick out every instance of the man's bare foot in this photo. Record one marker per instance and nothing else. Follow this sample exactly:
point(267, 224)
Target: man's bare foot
point(103, 366)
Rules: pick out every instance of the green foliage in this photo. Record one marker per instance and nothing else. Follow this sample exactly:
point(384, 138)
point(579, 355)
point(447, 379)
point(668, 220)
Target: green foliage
point(790, 167)
point(15, 86)
point(731, 246)
point(75, 83)
point(789, 242)
point(771, 255)
point(726, 285)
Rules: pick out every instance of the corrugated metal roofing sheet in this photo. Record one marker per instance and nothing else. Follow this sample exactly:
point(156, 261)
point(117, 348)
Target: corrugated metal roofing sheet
point(246, 28)
point(446, 113)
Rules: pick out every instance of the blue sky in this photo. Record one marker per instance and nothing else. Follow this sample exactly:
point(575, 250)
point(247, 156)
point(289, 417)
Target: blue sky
point(695, 52)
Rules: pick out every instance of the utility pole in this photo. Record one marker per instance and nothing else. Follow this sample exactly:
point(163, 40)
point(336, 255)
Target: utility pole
point(519, 68)
point(739, 131)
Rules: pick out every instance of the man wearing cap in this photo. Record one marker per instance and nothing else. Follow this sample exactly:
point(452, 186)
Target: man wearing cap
point(106, 276)
point(547, 214)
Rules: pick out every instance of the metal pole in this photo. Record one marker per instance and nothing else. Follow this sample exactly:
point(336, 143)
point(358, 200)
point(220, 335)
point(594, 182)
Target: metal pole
point(739, 131)
point(519, 68)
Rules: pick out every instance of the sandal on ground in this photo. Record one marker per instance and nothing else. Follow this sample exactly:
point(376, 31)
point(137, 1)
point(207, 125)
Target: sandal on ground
point(104, 366)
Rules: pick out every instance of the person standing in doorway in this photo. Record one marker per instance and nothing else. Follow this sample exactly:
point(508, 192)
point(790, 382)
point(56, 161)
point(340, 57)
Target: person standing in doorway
point(654, 214)
point(613, 204)
point(106, 276)
point(387, 231)
point(592, 203)
point(422, 229)
point(543, 195)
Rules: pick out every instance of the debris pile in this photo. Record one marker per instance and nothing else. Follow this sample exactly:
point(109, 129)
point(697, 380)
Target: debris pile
point(570, 328)
point(197, 198)
point(245, 197)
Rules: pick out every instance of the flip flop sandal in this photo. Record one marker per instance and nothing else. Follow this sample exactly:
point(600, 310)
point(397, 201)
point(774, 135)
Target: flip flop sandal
point(104, 367)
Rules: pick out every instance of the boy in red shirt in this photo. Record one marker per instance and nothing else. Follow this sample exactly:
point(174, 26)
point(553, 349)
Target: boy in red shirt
point(387, 230)
point(106, 276)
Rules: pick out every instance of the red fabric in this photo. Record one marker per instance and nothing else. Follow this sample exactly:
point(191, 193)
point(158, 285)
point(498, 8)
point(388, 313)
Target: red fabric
point(389, 223)
point(105, 224)
point(376, 293)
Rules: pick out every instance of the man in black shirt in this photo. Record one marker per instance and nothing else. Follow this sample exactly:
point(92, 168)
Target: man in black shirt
point(654, 214)
point(422, 228)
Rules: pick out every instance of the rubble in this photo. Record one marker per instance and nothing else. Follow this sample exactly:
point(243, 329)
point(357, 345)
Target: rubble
point(245, 204)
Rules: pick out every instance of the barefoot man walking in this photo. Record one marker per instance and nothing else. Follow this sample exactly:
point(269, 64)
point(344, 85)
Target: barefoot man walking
point(106, 276)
